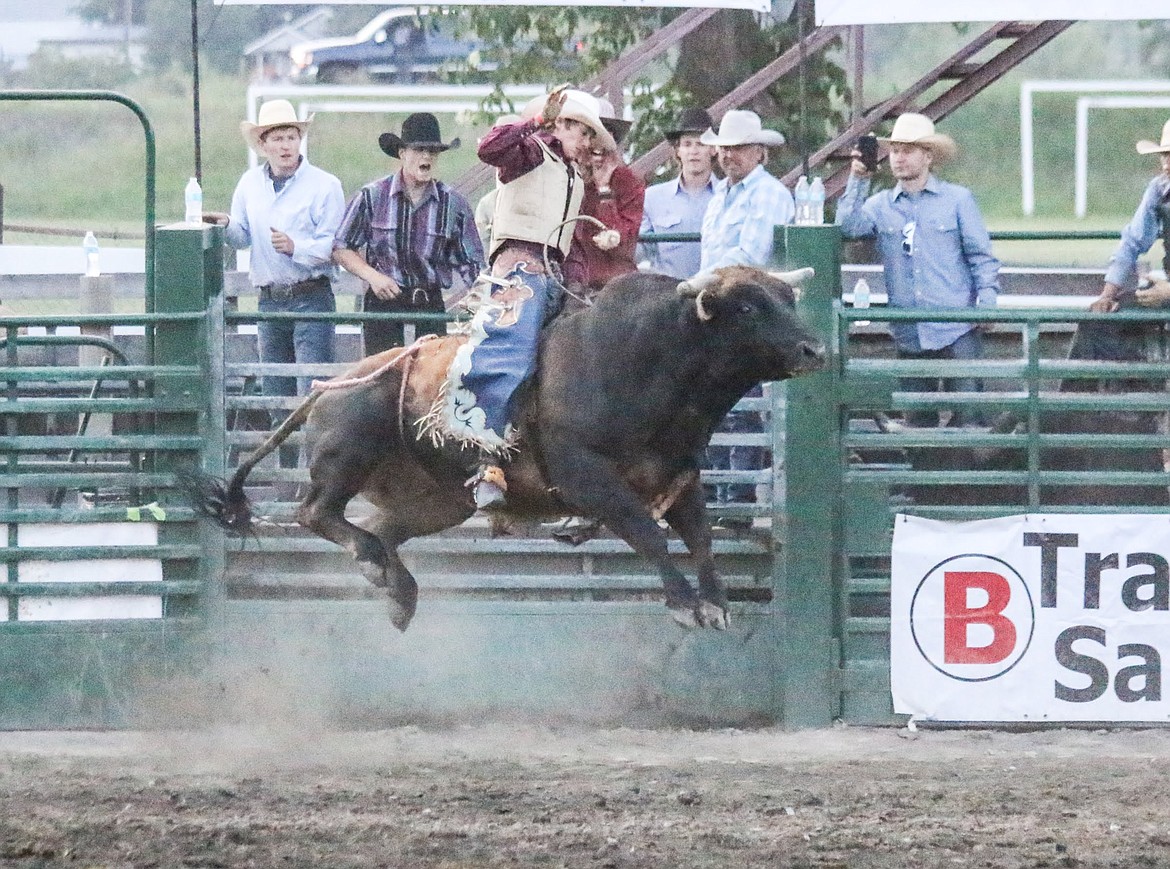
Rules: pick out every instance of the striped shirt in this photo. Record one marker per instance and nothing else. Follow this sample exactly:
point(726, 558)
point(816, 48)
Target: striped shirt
point(740, 221)
point(422, 246)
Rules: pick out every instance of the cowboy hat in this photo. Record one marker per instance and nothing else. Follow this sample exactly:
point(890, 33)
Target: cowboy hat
point(1145, 146)
point(578, 106)
point(741, 127)
point(914, 129)
point(617, 127)
point(420, 130)
point(689, 120)
point(273, 114)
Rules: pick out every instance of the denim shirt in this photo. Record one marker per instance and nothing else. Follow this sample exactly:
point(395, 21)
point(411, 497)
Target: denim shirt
point(935, 249)
point(740, 222)
point(1140, 233)
point(307, 208)
point(669, 208)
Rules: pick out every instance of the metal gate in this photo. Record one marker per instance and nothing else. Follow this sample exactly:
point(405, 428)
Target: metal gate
point(1074, 419)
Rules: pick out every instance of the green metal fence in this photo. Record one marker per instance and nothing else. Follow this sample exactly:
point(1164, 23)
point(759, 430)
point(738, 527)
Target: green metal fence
point(106, 583)
point(1058, 434)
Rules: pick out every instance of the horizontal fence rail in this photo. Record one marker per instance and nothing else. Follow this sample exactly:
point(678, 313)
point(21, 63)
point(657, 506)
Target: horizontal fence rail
point(1048, 429)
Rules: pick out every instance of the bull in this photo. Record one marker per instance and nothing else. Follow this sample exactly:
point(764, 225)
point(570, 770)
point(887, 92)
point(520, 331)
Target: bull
point(611, 428)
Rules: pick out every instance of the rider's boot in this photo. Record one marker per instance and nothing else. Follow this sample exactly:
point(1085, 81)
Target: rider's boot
point(489, 486)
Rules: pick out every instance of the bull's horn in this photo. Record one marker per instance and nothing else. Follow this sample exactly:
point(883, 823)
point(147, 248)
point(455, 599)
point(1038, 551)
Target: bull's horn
point(794, 278)
point(700, 308)
point(691, 287)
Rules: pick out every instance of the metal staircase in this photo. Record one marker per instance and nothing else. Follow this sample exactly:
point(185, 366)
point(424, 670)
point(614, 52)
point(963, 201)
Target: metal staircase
point(984, 60)
point(960, 77)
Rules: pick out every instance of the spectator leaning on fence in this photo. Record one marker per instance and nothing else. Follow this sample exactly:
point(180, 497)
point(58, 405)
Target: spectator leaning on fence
point(287, 211)
point(1150, 222)
point(407, 235)
point(935, 249)
point(678, 205)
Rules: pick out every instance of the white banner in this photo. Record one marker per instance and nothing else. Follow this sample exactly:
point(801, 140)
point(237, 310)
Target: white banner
point(917, 11)
point(753, 5)
point(1031, 618)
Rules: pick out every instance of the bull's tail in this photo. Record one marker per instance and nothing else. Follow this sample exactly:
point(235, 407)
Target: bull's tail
point(226, 504)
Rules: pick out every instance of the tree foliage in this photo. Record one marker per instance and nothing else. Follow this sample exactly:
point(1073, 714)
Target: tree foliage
point(551, 45)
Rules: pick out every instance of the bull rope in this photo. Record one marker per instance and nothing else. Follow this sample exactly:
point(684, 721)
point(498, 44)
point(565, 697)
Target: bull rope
point(325, 385)
point(584, 300)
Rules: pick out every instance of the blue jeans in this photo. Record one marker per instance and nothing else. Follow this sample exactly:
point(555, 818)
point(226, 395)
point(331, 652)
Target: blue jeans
point(737, 458)
point(967, 346)
point(294, 341)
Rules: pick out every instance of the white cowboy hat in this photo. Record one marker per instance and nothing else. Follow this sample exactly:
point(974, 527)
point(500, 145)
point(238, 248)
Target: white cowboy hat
point(1145, 146)
point(274, 113)
point(912, 128)
point(578, 106)
point(741, 127)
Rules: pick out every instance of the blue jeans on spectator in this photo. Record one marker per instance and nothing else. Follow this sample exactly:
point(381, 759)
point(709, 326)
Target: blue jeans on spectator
point(297, 341)
point(967, 346)
point(737, 458)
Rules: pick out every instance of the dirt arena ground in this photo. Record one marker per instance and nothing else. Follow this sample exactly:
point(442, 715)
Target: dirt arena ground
point(528, 796)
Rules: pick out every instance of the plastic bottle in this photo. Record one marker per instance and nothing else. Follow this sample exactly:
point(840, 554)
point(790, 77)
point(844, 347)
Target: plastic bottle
point(193, 198)
point(802, 194)
point(861, 298)
point(816, 201)
point(90, 246)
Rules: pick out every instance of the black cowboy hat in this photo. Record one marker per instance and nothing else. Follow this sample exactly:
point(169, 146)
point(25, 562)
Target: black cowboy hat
point(691, 120)
point(420, 130)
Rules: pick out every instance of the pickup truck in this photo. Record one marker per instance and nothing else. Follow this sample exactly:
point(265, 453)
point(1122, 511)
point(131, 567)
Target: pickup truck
point(400, 45)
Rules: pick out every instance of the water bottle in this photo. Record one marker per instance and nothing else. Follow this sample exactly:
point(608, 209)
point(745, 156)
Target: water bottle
point(861, 298)
point(193, 197)
point(816, 201)
point(90, 246)
point(802, 194)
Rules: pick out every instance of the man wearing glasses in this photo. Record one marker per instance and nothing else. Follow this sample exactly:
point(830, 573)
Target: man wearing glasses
point(935, 250)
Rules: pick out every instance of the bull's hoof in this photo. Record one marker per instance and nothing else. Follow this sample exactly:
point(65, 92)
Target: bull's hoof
point(701, 614)
point(712, 615)
point(400, 613)
point(684, 616)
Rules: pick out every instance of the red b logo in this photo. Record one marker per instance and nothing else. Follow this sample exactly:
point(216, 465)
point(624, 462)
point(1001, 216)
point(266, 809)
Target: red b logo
point(959, 617)
point(972, 617)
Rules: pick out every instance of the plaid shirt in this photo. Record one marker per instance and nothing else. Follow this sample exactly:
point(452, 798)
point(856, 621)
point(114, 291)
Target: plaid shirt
point(421, 246)
point(740, 221)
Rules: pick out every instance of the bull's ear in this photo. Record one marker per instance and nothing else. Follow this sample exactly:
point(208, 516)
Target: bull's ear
point(795, 277)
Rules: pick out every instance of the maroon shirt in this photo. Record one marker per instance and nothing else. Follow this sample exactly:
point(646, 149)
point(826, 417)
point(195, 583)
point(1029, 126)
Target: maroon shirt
point(619, 208)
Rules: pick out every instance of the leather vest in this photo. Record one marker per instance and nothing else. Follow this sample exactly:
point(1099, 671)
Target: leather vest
point(528, 207)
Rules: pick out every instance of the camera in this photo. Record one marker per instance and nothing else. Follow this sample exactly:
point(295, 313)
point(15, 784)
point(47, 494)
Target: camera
point(868, 146)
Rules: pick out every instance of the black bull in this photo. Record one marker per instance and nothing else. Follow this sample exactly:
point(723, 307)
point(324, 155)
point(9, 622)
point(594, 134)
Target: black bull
point(612, 428)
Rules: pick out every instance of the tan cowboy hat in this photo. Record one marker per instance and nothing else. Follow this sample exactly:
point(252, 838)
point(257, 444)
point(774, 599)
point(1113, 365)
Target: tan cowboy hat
point(273, 114)
point(741, 127)
point(579, 106)
point(912, 128)
point(1145, 146)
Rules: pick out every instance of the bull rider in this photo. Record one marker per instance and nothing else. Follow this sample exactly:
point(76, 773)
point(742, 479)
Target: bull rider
point(539, 194)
